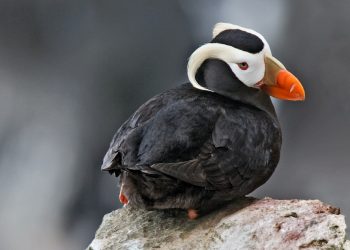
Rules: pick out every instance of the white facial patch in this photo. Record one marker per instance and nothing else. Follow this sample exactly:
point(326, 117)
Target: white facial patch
point(255, 71)
point(232, 56)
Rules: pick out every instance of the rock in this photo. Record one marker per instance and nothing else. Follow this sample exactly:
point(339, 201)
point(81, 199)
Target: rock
point(246, 223)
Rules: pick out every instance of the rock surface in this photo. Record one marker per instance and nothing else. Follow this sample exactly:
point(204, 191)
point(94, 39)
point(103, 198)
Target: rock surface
point(244, 224)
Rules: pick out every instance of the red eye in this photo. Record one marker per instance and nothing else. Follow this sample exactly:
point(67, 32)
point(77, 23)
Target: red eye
point(243, 65)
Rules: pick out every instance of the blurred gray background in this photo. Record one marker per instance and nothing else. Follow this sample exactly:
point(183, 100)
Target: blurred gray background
point(72, 71)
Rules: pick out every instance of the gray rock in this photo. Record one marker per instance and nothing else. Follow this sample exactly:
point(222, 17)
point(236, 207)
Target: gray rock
point(244, 224)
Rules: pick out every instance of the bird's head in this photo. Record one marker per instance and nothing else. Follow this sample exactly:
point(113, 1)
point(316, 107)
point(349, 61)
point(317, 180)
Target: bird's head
point(238, 57)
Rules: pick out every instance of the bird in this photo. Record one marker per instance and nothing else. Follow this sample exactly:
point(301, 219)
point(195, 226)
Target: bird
point(204, 143)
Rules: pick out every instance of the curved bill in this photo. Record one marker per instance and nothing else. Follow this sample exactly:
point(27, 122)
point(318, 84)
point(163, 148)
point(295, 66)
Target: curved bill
point(280, 83)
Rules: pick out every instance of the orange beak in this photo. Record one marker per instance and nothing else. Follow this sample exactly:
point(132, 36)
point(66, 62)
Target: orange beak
point(280, 83)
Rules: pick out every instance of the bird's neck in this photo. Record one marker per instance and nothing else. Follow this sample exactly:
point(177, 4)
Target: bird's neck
point(253, 97)
point(217, 76)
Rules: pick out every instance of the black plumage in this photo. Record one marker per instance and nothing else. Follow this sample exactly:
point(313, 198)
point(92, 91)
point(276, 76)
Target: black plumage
point(240, 39)
point(193, 149)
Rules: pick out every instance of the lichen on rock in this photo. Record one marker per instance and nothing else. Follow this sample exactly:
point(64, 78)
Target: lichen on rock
point(246, 223)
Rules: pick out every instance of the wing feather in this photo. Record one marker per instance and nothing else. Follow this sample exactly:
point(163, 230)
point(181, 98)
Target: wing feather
point(246, 151)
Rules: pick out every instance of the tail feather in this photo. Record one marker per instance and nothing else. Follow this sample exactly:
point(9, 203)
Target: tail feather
point(111, 163)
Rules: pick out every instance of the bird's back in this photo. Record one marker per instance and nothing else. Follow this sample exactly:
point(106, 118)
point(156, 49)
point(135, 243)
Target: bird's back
point(174, 125)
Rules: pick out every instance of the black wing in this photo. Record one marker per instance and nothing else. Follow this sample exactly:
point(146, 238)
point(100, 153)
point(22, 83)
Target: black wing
point(242, 154)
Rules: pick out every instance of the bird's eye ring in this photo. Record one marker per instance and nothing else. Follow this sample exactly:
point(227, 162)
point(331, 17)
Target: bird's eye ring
point(243, 65)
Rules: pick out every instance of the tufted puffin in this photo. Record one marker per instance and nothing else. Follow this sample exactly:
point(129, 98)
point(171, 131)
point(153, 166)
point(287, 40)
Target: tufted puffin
point(207, 142)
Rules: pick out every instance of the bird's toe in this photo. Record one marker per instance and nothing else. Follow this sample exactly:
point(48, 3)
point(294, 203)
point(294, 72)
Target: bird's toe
point(123, 199)
point(192, 214)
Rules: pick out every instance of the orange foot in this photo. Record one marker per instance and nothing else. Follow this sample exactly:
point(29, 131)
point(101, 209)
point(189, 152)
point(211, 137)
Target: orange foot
point(192, 214)
point(123, 198)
